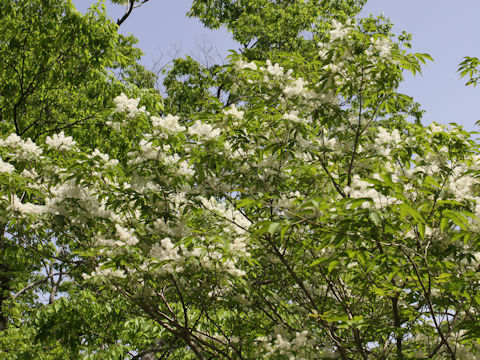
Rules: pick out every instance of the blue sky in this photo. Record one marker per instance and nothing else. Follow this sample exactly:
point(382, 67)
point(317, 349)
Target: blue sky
point(447, 30)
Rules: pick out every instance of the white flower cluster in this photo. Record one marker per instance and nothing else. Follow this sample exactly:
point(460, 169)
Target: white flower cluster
point(239, 246)
point(215, 260)
point(146, 152)
point(240, 222)
point(361, 189)
point(434, 128)
point(175, 228)
point(125, 235)
point(383, 46)
point(185, 169)
point(102, 273)
point(461, 185)
point(275, 70)
point(57, 201)
point(386, 137)
point(339, 30)
point(101, 241)
point(26, 208)
point(60, 141)
point(240, 65)
point(280, 344)
point(169, 123)
point(143, 185)
point(203, 130)
point(30, 174)
point(293, 116)
point(296, 89)
point(233, 111)
point(461, 351)
point(6, 167)
point(104, 157)
point(129, 106)
point(238, 153)
point(25, 149)
point(167, 251)
point(176, 257)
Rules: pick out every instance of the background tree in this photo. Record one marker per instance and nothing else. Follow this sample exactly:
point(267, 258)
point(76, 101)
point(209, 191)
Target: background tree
point(263, 28)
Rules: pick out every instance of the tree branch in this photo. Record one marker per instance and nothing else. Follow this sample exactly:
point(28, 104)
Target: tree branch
point(127, 13)
point(35, 283)
point(131, 5)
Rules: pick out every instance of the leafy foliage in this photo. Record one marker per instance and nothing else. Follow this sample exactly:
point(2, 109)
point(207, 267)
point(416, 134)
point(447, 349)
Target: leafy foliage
point(470, 67)
point(306, 214)
point(262, 26)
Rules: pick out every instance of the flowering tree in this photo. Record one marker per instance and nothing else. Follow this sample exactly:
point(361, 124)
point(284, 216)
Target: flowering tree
point(56, 71)
point(307, 219)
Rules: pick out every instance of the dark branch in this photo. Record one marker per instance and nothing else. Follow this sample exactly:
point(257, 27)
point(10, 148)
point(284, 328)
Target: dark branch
point(127, 14)
point(131, 6)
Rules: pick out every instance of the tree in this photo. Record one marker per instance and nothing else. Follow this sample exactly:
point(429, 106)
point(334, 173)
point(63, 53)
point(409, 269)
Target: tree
point(59, 71)
point(309, 218)
point(262, 26)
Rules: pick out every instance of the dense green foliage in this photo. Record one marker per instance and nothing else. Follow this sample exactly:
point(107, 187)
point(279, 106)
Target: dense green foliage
point(263, 26)
point(286, 205)
point(59, 71)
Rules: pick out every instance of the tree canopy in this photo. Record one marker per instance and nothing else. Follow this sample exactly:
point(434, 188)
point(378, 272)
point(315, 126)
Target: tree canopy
point(287, 205)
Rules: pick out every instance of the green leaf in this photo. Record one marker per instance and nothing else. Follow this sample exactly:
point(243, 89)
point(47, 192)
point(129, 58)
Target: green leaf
point(273, 227)
point(457, 218)
point(332, 265)
point(246, 203)
point(406, 210)
point(376, 218)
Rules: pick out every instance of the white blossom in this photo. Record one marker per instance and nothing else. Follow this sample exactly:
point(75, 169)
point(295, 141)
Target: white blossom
point(169, 123)
point(362, 189)
point(293, 116)
point(167, 251)
point(434, 128)
point(6, 167)
point(275, 70)
point(60, 141)
point(26, 208)
point(383, 46)
point(129, 106)
point(26, 149)
point(233, 111)
point(31, 174)
point(104, 157)
point(13, 140)
point(240, 65)
point(296, 89)
point(338, 31)
point(126, 235)
point(185, 169)
point(385, 137)
point(203, 130)
point(107, 272)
